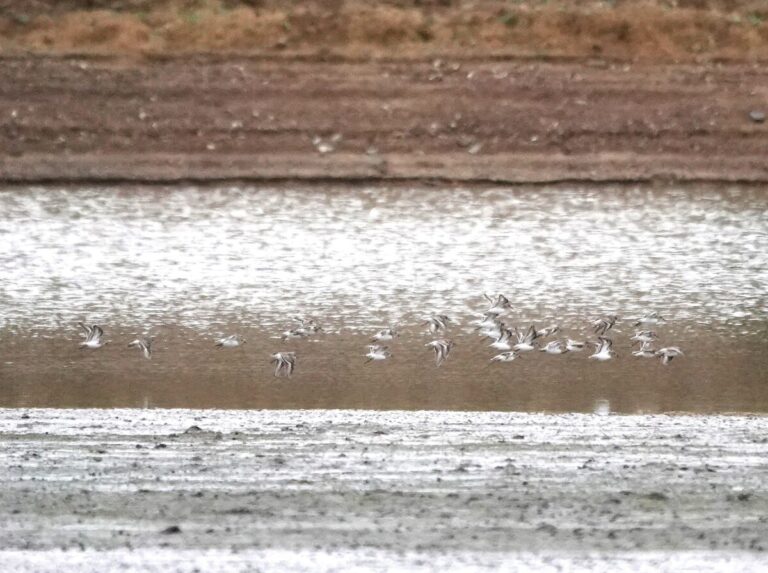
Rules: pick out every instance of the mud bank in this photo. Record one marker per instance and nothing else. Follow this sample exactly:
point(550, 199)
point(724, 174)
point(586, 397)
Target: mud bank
point(310, 490)
point(76, 120)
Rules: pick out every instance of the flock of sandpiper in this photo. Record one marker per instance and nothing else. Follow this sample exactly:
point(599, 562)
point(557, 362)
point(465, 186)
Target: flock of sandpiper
point(510, 341)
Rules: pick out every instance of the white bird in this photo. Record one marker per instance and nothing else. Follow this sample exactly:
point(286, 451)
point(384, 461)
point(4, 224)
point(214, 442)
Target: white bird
point(94, 336)
point(490, 327)
point(555, 347)
point(549, 331)
point(646, 351)
point(574, 345)
point(668, 353)
point(525, 341)
point(442, 349)
point(650, 319)
point(143, 344)
point(602, 325)
point(293, 333)
point(437, 322)
point(305, 328)
point(231, 341)
point(385, 335)
point(506, 356)
point(308, 325)
point(377, 352)
point(603, 349)
point(644, 336)
point(498, 305)
point(502, 341)
point(284, 363)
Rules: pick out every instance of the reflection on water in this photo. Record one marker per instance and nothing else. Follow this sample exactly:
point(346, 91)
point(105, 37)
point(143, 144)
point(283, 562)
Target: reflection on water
point(189, 264)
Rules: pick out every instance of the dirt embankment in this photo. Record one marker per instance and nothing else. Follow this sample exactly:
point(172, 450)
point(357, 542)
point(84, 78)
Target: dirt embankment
point(650, 30)
point(206, 119)
point(537, 91)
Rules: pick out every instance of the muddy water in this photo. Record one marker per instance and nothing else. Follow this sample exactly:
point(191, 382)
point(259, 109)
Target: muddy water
point(187, 265)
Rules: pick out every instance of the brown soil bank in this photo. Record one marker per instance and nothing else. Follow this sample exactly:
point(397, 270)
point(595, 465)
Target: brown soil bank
point(653, 30)
point(206, 119)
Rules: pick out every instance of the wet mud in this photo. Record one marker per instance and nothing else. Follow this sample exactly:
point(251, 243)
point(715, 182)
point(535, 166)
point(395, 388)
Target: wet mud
point(305, 489)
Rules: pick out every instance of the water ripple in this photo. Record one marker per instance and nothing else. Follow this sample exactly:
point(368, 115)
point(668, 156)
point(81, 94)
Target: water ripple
point(365, 257)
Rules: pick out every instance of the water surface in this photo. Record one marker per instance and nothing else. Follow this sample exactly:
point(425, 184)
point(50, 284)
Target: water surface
point(190, 264)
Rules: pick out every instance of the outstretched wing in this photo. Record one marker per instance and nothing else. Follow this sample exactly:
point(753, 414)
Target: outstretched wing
point(94, 333)
point(87, 329)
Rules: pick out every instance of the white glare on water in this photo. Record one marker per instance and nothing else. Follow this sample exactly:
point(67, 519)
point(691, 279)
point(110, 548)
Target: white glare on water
point(370, 256)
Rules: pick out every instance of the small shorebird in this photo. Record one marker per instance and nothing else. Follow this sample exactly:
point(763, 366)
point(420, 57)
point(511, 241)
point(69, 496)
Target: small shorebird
point(506, 356)
point(646, 351)
point(574, 345)
point(490, 327)
point(385, 335)
point(555, 347)
point(549, 331)
point(293, 333)
point(668, 353)
point(231, 341)
point(308, 325)
point(437, 322)
point(525, 341)
point(487, 318)
point(502, 341)
point(284, 363)
point(650, 319)
point(143, 344)
point(305, 328)
point(377, 352)
point(644, 336)
point(603, 349)
point(442, 349)
point(94, 336)
point(498, 305)
point(602, 325)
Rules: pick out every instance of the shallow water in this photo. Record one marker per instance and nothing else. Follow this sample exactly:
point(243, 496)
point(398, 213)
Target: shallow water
point(189, 264)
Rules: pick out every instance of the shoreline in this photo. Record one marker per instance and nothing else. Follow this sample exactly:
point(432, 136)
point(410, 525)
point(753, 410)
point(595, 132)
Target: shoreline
point(483, 490)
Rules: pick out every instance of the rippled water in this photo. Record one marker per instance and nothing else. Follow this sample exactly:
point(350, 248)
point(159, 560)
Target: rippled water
point(187, 264)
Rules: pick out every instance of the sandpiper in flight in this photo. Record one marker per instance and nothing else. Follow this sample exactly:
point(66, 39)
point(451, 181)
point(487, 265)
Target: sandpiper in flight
point(650, 319)
point(143, 344)
point(442, 349)
point(385, 335)
point(646, 351)
point(94, 336)
point(284, 362)
point(498, 305)
point(231, 341)
point(668, 353)
point(506, 356)
point(603, 349)
point(603, 325)
point(555, 347)
point(525, 340)
point(644, 336)
point(377, 352)
point(437, 322)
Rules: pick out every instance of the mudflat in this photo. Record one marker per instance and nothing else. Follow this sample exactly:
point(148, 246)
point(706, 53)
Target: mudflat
point(211, 118)
point(317, 490)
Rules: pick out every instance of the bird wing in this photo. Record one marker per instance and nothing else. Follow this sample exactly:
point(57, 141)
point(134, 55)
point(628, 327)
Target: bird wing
point(96, 333)
point(86, 328)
